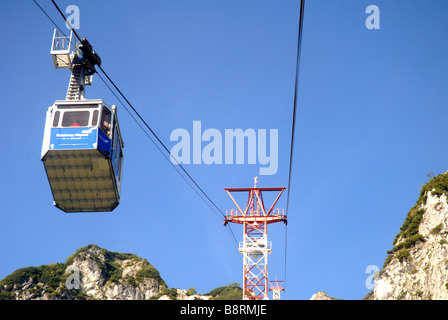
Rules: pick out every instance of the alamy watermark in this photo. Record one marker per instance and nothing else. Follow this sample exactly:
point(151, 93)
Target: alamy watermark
point(374, 272)
point(373, 20)
point(73, 281)
point(232, 147)
point(73, 20)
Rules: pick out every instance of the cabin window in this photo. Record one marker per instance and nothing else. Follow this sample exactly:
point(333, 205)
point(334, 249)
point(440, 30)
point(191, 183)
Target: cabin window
point(105, 121)
point(56, 118)
point(95, 118)
point(75, 119)
point(120, 163)
point(118, 154)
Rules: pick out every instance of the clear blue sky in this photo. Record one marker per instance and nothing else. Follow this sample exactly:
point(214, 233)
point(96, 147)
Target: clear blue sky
point(371, 124)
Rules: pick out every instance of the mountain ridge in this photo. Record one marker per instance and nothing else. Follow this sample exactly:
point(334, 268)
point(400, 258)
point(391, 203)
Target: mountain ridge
point(94, 273)
point(416, 268)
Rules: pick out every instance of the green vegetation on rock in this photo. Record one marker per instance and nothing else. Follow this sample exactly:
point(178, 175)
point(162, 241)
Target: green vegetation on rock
point(232, 291)
point(438, 185)
point(50, 279)
point(409, 234)
point(35, 277)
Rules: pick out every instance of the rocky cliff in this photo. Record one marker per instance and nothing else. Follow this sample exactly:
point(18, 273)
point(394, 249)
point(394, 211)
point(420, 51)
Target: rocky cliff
point(321, 296)
point(417, 265)
point(91, 273)
point(416, 268)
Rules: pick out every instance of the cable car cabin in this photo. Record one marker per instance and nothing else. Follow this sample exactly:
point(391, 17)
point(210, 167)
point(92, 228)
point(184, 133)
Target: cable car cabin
point(82, 155)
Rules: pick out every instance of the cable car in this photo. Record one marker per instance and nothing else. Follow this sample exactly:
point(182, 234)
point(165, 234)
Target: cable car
point(82, 148)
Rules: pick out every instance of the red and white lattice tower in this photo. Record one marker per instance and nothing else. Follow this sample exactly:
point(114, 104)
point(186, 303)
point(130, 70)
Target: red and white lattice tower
point(276, 287)
point(255, 247)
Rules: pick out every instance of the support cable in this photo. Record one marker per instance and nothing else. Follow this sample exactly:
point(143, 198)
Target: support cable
point(296, 89)
point(141, 118)
point(211, 204)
